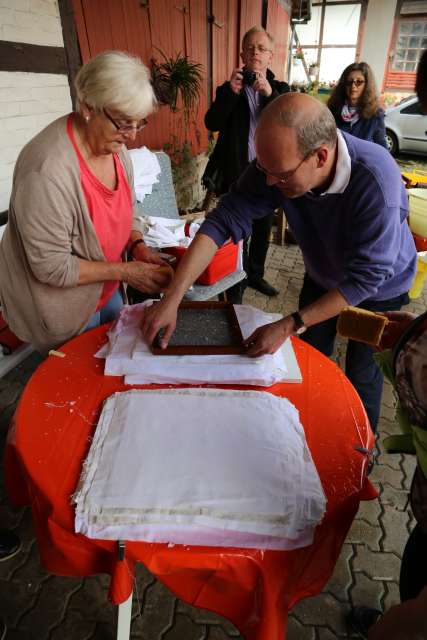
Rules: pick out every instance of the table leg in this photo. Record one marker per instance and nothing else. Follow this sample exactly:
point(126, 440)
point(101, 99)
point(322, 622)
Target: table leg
point(124, 616)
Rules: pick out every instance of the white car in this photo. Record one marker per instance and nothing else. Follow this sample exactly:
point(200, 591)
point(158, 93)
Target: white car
point(406, 127)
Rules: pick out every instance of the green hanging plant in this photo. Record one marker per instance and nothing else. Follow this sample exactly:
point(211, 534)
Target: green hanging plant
point(177, 79)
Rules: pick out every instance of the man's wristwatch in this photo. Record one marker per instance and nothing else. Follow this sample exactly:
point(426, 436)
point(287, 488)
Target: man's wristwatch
point(299, 323)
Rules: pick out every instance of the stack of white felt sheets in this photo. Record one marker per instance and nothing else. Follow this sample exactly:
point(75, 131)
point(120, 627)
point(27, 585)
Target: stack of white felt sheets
point(200, 467)
point(127, 354)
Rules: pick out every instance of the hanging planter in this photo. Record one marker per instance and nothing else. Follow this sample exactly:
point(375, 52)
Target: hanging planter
point(177, 80)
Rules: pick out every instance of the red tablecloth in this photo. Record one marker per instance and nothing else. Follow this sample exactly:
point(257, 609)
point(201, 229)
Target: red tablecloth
point(254, 589)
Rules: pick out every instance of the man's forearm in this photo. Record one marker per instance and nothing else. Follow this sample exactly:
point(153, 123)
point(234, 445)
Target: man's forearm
point(328, 306)
point(194, 262)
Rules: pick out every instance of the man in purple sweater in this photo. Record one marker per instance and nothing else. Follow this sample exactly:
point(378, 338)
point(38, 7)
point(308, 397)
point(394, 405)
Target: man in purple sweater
point(347, 208)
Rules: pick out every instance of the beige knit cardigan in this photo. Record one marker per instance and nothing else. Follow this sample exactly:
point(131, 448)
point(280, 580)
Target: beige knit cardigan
point(48, 230)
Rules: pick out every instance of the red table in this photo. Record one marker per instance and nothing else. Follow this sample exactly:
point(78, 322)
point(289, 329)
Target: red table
point(254, 589)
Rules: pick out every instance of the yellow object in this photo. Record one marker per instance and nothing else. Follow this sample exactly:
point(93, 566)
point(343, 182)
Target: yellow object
point(420, 277)
point(361, 325)
point(415, 177)
point(58, 354)
point(418, 211)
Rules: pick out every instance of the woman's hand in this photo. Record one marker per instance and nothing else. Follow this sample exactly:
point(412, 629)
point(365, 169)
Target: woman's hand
point(270, 337)
point(160, 315)
point(142, 253)
point(146, 277)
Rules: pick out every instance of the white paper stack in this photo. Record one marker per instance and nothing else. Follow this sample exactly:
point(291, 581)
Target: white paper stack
point(127, 354)
point(200, 467)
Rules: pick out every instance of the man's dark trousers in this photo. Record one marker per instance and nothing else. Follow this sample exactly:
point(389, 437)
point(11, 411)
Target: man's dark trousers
point(360, 367)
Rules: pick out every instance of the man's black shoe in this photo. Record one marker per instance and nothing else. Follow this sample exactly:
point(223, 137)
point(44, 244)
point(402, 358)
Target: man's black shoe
point(3, 629)
point(263, 286)
point(361, 619)
point(10, 544)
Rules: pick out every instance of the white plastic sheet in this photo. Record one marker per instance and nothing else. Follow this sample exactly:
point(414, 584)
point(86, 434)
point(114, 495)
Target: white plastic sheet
point(200, 466)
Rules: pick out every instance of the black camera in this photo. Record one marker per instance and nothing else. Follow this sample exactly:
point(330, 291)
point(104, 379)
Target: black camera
point(249, 77)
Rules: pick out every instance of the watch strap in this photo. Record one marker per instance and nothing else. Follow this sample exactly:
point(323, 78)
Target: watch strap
point(299, 322)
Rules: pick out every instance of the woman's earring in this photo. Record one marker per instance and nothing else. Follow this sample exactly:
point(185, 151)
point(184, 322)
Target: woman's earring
point(87, 118)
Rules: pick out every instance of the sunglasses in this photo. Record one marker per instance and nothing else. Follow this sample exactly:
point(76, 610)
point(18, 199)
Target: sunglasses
point(350, 83)
point(125, 127)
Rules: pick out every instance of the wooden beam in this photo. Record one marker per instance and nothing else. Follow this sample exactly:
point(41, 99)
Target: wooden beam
point(71, 43)
point(34, 58)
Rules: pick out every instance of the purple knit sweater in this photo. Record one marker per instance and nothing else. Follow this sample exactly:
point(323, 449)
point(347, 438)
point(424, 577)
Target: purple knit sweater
point(357, 241)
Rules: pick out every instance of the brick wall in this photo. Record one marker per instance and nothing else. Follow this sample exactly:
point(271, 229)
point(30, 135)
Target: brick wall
point(28, 101)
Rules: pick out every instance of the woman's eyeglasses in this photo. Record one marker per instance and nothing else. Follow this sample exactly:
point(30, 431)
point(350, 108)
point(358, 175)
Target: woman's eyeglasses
point(125, 127)
point(350, 83)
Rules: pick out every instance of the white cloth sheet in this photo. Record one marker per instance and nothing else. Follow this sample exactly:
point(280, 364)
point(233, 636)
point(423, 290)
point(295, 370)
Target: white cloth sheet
point(127, 354)
point(200, 466)
point(146, 168)
point(167, 232)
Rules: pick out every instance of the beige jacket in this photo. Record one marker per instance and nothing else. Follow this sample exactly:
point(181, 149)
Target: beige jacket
point(49, 229)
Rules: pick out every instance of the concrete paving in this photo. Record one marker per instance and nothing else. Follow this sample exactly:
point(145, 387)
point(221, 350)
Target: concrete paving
point(39, 606)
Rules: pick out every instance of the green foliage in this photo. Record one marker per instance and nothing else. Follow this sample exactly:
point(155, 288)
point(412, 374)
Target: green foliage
point(177, 79)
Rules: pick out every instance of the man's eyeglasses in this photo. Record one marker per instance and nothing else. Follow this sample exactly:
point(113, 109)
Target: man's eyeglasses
point(283, 177)
point(350, 83)
point(125, 127)
point(252, 48)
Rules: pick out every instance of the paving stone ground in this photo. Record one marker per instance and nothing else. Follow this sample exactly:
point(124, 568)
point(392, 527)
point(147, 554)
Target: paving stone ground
point(39, 606)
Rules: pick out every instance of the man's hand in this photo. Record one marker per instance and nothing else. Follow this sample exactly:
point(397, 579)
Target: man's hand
point(142, 253)
point(262, 85)
point(236, 81)
point(270, 337)
point(398, 322)
point(161, 315)
point(146, 277)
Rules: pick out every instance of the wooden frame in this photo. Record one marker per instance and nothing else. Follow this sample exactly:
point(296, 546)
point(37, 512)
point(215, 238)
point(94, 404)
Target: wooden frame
point(186, 348)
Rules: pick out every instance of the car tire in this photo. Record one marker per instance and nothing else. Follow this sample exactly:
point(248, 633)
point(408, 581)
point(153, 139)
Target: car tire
point(391, 142)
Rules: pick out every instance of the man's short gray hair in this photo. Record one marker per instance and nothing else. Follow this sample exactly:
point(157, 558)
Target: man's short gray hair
point(254, 30)
point(311, 131)
point(116, 80)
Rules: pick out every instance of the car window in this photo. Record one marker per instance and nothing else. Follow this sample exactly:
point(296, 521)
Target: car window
point(404, 100)
point(414, 109)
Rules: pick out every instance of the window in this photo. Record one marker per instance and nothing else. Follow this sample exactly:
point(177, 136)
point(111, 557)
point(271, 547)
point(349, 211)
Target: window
point(328, 42)
point(413, 109)
point(410, 43)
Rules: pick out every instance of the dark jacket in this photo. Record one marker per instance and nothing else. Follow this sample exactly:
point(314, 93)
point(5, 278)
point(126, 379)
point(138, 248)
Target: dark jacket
point(371, 129)
point(229, 114)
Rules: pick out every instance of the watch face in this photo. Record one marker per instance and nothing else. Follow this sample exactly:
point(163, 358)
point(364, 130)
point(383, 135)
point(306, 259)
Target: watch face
point(300, 330)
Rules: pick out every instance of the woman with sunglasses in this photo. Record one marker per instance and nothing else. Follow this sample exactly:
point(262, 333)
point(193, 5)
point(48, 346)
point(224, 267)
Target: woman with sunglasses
point(73, 215)
point(354, 104)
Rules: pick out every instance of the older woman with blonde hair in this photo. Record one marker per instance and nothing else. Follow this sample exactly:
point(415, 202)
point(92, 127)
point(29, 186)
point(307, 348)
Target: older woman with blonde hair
point(354, 104)
point(73, 214)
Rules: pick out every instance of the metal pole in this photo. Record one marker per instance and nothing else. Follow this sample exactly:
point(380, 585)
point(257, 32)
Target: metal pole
point(124, 617)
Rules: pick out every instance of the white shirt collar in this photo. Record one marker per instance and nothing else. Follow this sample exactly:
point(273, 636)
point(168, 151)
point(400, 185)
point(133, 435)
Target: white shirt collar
point(342, 169)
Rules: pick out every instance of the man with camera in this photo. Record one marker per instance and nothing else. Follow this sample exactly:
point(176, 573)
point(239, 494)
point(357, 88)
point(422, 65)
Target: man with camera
point(234, 113)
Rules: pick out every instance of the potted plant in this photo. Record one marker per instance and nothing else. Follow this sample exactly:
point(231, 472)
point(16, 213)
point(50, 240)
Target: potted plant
point(177, 83)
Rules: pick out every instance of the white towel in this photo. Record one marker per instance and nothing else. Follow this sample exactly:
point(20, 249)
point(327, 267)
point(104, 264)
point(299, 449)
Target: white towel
point(146, 168)
point(200, 466)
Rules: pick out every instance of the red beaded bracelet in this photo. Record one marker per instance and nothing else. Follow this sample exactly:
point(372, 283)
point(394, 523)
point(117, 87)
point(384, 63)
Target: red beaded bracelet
point(134, 244)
